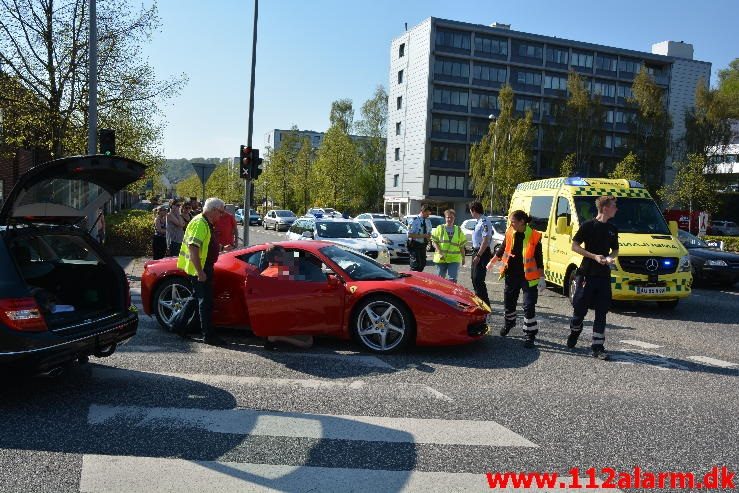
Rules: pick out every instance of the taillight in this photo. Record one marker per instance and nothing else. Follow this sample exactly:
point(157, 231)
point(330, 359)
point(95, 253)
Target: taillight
point(22, 314)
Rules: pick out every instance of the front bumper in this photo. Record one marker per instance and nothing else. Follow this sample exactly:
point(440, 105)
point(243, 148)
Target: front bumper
point(626, 286)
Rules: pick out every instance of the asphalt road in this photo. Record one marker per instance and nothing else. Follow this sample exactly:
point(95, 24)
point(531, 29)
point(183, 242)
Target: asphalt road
point(163, 414)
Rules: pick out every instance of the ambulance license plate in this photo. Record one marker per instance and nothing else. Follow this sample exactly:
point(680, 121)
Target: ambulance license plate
point(653, 290)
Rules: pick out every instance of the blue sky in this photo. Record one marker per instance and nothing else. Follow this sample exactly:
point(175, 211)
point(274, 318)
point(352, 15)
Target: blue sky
point(312, 53)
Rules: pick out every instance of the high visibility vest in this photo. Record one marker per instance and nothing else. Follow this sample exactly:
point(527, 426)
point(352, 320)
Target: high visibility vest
point(448, 246)
point(531, 238)
point(198, 234)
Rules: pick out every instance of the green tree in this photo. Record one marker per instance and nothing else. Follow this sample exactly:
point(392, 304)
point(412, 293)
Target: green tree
point(728, 87)
point(504, 156)
point(281, 168)
point(371, 178)
point(567, 167)
point(690, 188)
point(627, 169)
point(650, 130)
point(707, 124)
point(342, 114)
point(333, 172)
point(301, 180)
point(43, 44)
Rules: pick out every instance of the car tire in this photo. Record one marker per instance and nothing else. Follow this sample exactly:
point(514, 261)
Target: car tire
point(265, 226)
point(387, 311)
point(667, 305)
point(164, 307)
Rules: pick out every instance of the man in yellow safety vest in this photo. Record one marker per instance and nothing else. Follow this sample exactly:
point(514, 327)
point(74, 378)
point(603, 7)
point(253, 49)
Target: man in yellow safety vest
point(449, 242)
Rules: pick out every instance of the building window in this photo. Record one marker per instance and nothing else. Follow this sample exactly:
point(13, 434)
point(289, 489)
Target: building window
point(555, 83)
point(605, 63)
point(449, 152)
point(619, 141)
point(558, 55)
point(525, 104)
point(483, 100)
point(401, 50)
point(453, 39)
point(583, 60)
point(449, 126)
point(451, 68)
point(400, 102)
point(608, 116)
point(446, 182)
point(630, 66)
point(529, 51)
point(450, 97)
point(489, 73)
point(396, 179)
point(528, 78)
point(608, 142)
point(492, 46)
point(400, 77)
point(604, 89)
point(625, 92)
point(397, 128)
point(397, 153)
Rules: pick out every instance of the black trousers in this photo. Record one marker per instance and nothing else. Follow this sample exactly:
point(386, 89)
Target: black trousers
point(158, 247)
point(417, 254)
point(174, 248)
point(591, 292)
point(513, 287)
point(203, 292)
point(478, 276)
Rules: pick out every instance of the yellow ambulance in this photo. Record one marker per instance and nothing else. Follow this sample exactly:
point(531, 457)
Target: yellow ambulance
point(652, 265)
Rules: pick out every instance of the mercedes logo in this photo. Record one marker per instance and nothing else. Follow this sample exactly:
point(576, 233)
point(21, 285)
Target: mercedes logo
point(652, 265)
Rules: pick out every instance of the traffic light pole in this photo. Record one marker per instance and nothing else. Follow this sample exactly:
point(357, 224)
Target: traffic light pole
point(247, 182)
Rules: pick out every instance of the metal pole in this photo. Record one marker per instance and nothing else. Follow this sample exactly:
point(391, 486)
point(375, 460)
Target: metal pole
point(92, 112)
point(492, 174)
point(247, 183)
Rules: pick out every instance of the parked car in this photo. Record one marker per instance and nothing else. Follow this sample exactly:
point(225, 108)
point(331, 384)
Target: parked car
point(316, 212)
point(62, 296)
point(336, 292)
point(254, 218)
point(372, 215)
point(239, 216)
point(341, 231)
point(390, 233)
point(329, 212)
point(724, 228)
point(499, 224)
point(278, 219)
point(435, 221)
point(710, 265)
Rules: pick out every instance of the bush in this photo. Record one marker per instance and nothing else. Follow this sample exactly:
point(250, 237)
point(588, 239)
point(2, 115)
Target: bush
point(129, 233)
point(731, 243)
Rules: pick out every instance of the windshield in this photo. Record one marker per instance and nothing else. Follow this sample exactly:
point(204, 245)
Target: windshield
point(436, 220)
point(390, 227)
point(633, 216)
point(499, 225)
point(357, 266)
point(284, 214)
point(329, 210)
point(690, 241)
point(340, 230)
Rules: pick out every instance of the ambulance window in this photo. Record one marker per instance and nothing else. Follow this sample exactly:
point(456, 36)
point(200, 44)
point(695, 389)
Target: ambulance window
point(563, 209)
point(540, 209)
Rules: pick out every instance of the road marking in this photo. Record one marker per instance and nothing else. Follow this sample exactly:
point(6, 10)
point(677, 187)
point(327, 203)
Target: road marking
point(318, 426)
point(641, 344)
point(713, 361)
point(648, 358)
point(405, 390)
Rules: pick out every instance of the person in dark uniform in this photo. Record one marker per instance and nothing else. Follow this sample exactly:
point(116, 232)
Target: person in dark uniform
point(593, 280)
point(419, 234)
point(522, 265)
point(481, 237)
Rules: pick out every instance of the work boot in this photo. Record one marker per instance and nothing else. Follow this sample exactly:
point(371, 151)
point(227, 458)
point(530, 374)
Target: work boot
point(600, 353)
point(529, 342)
point(505, 330)
point(572, 339)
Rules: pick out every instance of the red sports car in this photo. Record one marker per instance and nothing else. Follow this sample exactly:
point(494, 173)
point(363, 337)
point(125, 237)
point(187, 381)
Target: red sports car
point(329, 290)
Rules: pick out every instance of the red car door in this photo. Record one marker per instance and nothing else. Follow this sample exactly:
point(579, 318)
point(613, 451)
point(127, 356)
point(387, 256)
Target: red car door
point(308, 302)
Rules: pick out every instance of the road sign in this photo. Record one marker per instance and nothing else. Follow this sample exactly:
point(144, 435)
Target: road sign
point(203, 170)
point(702, 223)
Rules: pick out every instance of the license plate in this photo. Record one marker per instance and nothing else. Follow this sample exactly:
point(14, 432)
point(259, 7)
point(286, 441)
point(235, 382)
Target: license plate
point(655, 290)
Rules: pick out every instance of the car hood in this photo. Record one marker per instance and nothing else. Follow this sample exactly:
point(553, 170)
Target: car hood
point(644, 244)
point(65, 191)
point(714, 253)
point(397, 237)
point(440, 287)
point(354, 243)
point(288, 220)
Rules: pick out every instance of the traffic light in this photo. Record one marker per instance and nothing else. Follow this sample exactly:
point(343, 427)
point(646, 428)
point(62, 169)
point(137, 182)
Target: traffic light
point(245, 162)
point(106, 138)
point(256, 164)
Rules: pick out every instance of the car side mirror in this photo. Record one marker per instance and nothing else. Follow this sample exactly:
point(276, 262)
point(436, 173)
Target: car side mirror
point(332, 277)
point(308, 234)
point(375, 235)
point(562, 227)
point(673, 228)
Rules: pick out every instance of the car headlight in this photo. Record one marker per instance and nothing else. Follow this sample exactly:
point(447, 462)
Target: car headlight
point(454, 304)
point(684, 264)
point(715, 263)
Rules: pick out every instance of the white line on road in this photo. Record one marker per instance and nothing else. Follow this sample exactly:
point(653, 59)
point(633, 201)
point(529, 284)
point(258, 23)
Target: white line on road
point(713, 361)
point(641, 344)
point(405, 390)
point(126, 474)
point(318, 426)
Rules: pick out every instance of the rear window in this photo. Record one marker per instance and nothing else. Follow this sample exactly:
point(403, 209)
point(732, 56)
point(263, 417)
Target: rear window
point(58, 197)
point(53, 248)
point(390, 227)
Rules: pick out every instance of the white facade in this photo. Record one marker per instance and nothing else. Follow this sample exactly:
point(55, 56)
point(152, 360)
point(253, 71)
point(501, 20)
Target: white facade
point(275, 137)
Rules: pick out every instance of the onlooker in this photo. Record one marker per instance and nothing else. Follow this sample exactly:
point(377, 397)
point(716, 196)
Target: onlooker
point(175, 228)
point(419, 234)
point(449, 242)
point(227, 232)
point(522, 265)
point(186, 212)
point(198, 254)
point(99, 230)
point(481, 236)
point(593, 280)
point(159, 239)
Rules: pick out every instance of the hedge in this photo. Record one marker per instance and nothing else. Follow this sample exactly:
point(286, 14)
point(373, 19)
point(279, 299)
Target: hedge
point(731, 243)
point(128, 233)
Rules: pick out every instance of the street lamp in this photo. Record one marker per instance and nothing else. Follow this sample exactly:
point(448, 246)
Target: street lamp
point(492, 174)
